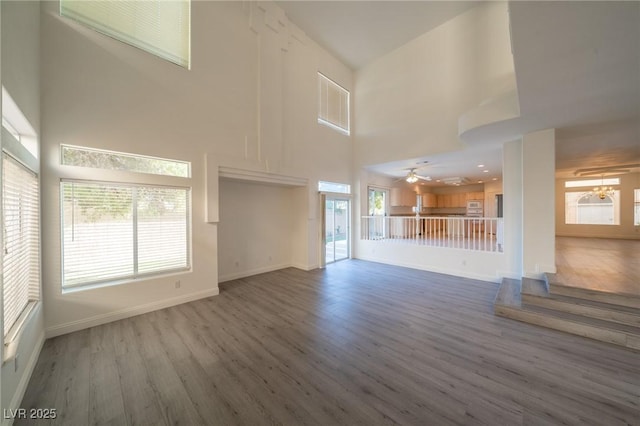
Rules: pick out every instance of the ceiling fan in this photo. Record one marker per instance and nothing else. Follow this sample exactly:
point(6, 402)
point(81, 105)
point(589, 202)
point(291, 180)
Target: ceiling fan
point(412, 176)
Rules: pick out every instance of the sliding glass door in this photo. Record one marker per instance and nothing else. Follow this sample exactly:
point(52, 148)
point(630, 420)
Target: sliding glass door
point(337, 229)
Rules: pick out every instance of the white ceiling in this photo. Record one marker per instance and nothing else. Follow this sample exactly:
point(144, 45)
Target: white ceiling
point(358, 32)
point(577, 70)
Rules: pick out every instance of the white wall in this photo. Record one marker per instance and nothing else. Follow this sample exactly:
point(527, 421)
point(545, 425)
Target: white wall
point(254, 232)
point(512, 208)
point(20, 75)
point(249, 101)
point(408, 102)
point(538, 176)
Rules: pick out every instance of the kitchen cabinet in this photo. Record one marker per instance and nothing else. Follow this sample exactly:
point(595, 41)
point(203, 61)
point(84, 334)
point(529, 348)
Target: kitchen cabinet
point(474, 196)
point(401, 197)
point(429, 200)
point(452, 200)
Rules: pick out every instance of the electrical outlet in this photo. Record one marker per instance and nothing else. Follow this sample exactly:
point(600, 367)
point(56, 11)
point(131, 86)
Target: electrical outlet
point(178, 284)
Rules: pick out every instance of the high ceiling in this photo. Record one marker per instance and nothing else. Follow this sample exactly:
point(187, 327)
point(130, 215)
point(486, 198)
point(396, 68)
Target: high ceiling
point(358, 32)
point(577, 70)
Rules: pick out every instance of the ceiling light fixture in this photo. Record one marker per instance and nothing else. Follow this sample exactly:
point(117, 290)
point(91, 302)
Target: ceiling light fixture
point(485, 171)
point(602, 191)
point(412, 177)
point(480, 165)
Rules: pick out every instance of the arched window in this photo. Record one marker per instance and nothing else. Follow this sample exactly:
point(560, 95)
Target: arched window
point(589, 209)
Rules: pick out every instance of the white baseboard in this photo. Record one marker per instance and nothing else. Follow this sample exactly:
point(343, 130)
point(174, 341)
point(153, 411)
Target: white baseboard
point(72, 326)
point(250, 272)
point(305, 267)
point(455, 273)
point(24, 380)
point(587, 235)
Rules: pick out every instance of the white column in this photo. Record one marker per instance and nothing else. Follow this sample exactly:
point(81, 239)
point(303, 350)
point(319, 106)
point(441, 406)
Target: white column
point(538, 184)
point(512, 208)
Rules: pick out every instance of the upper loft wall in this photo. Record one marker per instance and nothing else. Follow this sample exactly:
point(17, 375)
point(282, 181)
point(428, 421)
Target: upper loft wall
point(250, 97)
point(21, 57)
point(408, 102)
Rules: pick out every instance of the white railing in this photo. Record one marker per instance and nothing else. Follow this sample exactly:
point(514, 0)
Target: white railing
point(471, 233)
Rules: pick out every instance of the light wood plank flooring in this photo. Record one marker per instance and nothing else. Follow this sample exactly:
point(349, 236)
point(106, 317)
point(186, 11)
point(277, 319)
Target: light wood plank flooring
point(355, 343)
point(600, 264)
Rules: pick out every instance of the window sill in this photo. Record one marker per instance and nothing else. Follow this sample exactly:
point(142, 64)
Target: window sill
point(94, 286)
point(12, 339)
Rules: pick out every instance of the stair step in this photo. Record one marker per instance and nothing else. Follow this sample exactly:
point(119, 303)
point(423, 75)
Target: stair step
point(508, 304)
point(534, 292)
point(556, 288)
point(508, 293)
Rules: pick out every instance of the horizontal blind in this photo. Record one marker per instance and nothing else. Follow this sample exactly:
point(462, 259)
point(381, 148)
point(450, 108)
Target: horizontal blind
point(120, 231)
point(160, 27)
point(333, 103)
point(21, 231)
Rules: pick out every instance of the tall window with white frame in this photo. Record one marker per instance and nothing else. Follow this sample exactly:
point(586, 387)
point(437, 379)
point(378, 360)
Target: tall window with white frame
point(20, 244)
point(20, 223)
point(114, 232)
point(333, 105)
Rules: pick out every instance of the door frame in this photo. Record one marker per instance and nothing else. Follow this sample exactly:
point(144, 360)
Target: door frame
point(323, 196)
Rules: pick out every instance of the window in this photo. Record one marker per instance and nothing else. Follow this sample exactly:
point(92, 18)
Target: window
point(115, 232)
point(591, 182)
point(159, 27)
point(101, 159)
point(341, 188)
point(333, 101)
point(588, 209)
point(636, 207)
point(20, 244)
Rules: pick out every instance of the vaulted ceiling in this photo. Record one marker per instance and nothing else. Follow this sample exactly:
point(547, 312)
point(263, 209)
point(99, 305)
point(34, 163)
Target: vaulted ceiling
point(577, 68)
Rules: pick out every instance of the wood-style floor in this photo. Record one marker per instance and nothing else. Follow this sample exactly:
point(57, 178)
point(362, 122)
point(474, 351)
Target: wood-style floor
point(600, 264)
point(355, 343)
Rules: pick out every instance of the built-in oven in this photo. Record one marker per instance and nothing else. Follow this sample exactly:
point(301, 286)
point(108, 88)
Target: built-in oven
point(474, 204)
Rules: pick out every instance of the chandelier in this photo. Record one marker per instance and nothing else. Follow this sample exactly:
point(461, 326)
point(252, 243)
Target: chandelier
point(602, 191)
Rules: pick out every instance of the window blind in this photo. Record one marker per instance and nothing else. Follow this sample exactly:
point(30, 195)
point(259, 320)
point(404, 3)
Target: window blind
point(333, 107)
point(160, 27)
point(21, 237)
point(122, 231)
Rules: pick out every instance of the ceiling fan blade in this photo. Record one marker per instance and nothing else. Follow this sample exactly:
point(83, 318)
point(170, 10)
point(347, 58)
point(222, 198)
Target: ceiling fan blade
point(427, 178)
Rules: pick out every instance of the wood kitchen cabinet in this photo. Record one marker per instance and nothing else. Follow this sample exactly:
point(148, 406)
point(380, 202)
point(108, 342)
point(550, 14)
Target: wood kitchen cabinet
point(474, 196)
point(401, 197)
point(429, 200)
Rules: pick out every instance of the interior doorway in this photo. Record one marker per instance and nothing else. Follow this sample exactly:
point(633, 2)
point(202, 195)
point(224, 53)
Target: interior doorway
point(337, 228)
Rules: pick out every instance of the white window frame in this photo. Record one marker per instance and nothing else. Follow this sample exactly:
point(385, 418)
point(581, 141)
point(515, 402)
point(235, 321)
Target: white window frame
point(578, 196)
point(121, 177)
point(136, 274)
point(160, 27)
point(323, 107)
point(24, 150)
point(334, 187)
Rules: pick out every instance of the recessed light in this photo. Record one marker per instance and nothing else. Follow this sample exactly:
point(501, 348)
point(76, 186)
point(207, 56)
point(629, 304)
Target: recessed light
point(437, 180)
point(480, 165)
point(494, 179)
point(485, 171)
point(479, 181)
